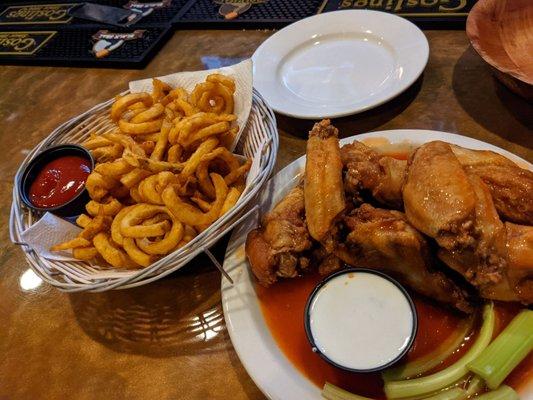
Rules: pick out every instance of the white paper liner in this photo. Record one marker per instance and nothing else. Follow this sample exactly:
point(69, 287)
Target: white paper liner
point(48, 231)
point(241, 73)
point(255, 168)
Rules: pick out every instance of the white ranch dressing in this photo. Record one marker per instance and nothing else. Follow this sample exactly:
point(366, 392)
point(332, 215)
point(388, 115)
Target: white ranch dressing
point(360, 320)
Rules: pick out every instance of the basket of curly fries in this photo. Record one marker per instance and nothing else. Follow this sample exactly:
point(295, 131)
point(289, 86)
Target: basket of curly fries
point(177, 160)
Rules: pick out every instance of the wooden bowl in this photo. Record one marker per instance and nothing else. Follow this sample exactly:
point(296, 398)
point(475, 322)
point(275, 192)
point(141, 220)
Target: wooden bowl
point(501, 31)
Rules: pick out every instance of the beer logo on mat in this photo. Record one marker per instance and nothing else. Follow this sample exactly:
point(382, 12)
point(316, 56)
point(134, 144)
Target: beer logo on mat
point(239, 2)
point(140, 6)
point(23, 43)
point(37, 14)
point(105, 41)
point(146, 8)
point(413, 7)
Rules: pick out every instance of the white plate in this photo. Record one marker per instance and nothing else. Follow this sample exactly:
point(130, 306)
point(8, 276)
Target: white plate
point(339, 63)
point(272, 372)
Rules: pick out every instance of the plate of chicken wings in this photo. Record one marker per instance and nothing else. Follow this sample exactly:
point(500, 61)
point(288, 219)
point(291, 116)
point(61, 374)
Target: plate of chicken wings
point(447, 216)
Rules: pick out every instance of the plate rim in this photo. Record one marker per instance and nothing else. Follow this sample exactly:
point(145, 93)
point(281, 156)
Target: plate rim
point(235, 249)
point(355, 109)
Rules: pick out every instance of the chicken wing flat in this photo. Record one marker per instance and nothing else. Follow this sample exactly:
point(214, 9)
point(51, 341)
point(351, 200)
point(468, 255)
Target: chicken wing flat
point(511, 186)
point(384, 240)
point(512, 190)
point(470, 158)
point(438, 197)
point(520, 248)
point(278, 248)
point(490, 249)
point(381, 175)
point(484, 264)
point(516, 283)
point(323, 187)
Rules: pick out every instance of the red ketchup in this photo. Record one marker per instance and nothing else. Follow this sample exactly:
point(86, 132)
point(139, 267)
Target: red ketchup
point(59, 181)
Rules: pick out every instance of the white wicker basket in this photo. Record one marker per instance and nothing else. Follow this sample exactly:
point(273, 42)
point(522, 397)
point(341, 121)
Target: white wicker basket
point(78, 276)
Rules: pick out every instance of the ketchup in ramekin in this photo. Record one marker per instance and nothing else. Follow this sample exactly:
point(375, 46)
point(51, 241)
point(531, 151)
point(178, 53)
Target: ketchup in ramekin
point(59, 181)
point(55, 180)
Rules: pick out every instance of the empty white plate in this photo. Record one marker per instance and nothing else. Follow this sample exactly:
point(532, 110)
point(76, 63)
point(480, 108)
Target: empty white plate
point(339, 63)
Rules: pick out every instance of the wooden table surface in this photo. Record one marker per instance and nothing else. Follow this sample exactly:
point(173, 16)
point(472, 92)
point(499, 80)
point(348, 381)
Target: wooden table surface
point(168, 340)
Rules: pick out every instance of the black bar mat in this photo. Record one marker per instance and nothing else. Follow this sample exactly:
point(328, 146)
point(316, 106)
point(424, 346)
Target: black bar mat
point(55, 13)
point(73, 47)
point(203, 14)
point(428, 14)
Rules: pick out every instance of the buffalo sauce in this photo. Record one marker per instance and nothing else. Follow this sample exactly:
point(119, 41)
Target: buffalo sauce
point(59, 181)
point(283, 306)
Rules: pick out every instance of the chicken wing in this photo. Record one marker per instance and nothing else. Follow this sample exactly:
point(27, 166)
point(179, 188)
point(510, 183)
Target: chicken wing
point(323, 187)
point(279, 247)
point(438, 197)
point(327, 262)
point(470, 157)
point(484, 264)
point(384, 240)
point(516, 283)
point(512, 190)
point(511, 186)
point(520, 248)
point(382, 176)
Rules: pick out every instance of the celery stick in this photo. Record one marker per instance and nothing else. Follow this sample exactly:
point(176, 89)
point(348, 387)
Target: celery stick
point(503, 393)
point(436, 392)
point(474, 386)
point(332, 392)
point(511, 346)
point(430, 360)
point(450, 394)
point(444, 378)
point(462, 384)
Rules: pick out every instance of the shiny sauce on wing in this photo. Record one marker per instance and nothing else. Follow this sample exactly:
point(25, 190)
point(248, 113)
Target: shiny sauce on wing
point(283, 305)
point(398, 156)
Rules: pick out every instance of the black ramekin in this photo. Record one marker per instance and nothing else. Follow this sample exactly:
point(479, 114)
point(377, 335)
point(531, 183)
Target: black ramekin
point(307, 322)
point(74, 206)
